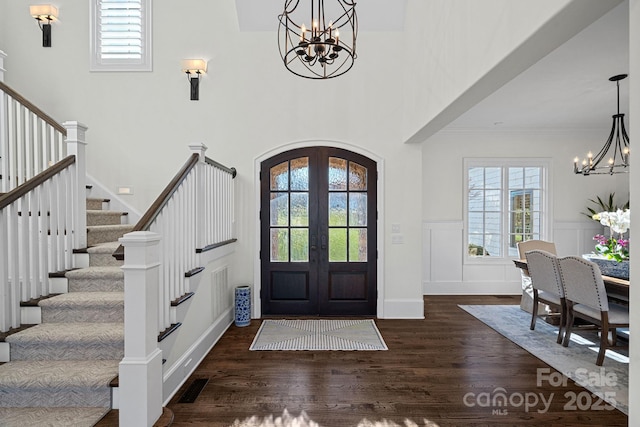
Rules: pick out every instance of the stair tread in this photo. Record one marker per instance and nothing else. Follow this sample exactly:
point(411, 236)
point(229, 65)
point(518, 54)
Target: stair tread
point(104, 212)
point(58, 373)
point(55, 417)
point(70, 332)
point(103, 248)
point(110, 227)
point(82, 299)
point(102, 272)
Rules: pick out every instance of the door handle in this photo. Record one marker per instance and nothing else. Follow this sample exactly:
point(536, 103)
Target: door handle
point(323, 242)
point(313, 243)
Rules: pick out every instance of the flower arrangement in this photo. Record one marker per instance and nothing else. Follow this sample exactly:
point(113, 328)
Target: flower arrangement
point(611, 247)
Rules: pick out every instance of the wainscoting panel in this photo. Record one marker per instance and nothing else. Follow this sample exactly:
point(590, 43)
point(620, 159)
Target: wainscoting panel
point(445, 271)
point(442, 251)
point(221, 298)
point(575, 238)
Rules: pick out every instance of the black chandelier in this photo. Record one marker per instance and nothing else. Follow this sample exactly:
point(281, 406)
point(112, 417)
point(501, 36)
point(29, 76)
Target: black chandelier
point(327, 48)
point(618, 139)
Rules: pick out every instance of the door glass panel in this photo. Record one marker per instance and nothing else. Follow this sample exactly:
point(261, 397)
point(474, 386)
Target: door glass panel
point(337, 209)
point(337, 244)
point(337, 174)
point(279, 209)
point(357, 209)
point(358, 245)
point(299, 209)
point(279, 177)
point(299, 244)
point(300, 174)
point(357, 177)
point(279, 245)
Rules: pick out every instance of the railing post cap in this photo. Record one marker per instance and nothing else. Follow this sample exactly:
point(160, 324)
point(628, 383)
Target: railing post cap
point(198, 146)
point(69, 124)
point(139, 237)
point(200, 149)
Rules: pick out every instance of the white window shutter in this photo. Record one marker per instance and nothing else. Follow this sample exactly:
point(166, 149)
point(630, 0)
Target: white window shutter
point(121, 35)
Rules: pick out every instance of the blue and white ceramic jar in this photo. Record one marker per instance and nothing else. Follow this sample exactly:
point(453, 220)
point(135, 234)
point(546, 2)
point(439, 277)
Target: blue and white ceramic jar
point(243, 305)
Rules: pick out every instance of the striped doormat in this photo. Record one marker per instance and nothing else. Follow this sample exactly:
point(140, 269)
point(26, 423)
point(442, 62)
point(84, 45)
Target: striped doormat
point(318, 334)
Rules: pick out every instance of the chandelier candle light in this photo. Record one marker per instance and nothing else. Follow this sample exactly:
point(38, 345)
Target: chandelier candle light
point(618, 138)
point(320, 50)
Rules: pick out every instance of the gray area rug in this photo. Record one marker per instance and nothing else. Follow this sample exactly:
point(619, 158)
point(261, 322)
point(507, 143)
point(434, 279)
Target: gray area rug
point(577, 361)
point(318, 334)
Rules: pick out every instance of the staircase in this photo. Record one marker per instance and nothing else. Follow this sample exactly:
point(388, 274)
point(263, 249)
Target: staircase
point(61, 369)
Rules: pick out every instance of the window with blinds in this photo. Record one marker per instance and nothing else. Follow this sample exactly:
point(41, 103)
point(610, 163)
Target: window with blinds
point(506, 203)
point(120, 35)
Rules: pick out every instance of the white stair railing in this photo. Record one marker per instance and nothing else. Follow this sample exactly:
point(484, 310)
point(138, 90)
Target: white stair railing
point(40, 222)
point(30, 140)
point(194, 213)
point(42, 201)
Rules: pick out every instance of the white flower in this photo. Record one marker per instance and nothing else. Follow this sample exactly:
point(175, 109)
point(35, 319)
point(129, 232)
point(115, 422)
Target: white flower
point(619, 221)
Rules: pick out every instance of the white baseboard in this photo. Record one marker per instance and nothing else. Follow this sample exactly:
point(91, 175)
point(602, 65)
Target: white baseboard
point(5, 354)
point(472, 288)
point(58, 285)
point(30, 315)
point(404, 309)
point(81, 260)
point(115, 398)
point(177, 374)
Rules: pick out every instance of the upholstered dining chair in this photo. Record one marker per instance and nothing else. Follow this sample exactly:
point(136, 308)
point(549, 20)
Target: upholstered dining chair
point(586, 298)
point(529, 245)
point(526, 302)
point(547, 285)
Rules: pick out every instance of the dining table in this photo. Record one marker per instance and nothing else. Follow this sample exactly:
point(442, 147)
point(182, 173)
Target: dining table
point(617, 289)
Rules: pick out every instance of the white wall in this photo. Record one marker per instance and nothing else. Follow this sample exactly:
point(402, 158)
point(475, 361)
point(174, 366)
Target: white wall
point(204, 318)
point(140, 123)
point(461, 51)
point(445, 269)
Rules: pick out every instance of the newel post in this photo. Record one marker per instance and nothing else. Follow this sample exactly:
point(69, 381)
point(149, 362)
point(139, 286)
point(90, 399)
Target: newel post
point(200, 149)
point(140, 381)
point(76, 145)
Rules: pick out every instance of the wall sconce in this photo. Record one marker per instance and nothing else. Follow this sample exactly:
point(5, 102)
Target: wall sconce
point(193, 68)
point(44, 14)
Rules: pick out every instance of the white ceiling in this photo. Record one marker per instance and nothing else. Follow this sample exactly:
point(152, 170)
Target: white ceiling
point(373, 15)
point(567, 89)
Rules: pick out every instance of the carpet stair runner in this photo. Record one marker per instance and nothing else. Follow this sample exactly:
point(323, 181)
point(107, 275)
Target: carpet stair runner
point(60, 370)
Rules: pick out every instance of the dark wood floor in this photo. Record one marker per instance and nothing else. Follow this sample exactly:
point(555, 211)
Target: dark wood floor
point(430, 366)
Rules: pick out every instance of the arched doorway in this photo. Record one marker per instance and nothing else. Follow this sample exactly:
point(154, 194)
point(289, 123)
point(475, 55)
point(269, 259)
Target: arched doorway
point(318, 233)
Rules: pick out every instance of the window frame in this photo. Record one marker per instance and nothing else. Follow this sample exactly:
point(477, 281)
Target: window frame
point(545, 203)
point(97, 63)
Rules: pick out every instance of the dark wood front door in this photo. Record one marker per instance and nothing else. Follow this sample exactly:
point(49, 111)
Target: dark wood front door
point(318, 244)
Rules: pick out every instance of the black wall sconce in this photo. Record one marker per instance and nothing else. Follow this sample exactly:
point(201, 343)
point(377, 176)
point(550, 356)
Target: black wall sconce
point(194, 68)
point(44, 14)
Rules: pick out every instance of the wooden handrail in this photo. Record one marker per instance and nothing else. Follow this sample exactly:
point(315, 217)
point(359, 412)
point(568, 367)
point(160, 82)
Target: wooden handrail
point(212, 162)
point(35, 110)
point(37, 180)
point(163, 198)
